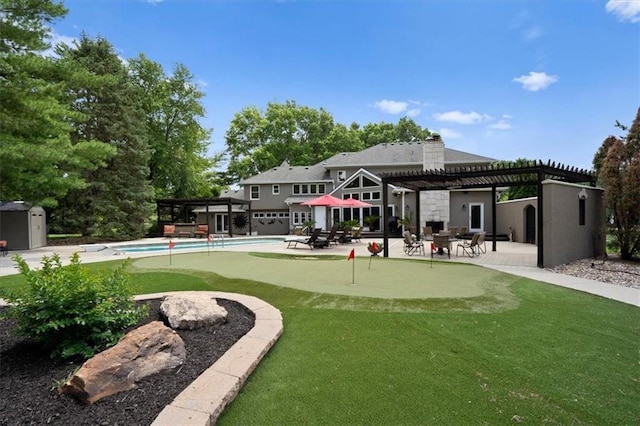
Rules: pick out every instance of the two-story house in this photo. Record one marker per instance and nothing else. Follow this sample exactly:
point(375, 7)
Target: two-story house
point(276, 194)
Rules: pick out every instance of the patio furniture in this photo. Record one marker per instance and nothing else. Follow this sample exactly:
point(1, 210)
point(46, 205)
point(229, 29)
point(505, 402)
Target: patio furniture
point(453, 231)
point(441, 242)
point(313, 241)
point(463, 231)
point(169, 231)
point(355, 233)
point(470, 248)
point(3, 247)
point(412, 246)
point(482, 246)
point(201, 231)
point(332, 237)
point(427, 232)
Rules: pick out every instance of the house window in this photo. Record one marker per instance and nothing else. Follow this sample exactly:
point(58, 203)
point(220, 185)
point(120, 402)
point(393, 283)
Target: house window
point(275, 189)
point(342, 175)
point(367, 182)
point(582, 211)
point(354, 183)
point(305, 189)
point(321, 189)
point(255, 192)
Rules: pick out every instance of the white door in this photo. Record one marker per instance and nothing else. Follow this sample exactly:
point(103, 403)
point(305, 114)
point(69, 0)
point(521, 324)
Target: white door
point(222, 224)
point(320, 216)
point(476, 217)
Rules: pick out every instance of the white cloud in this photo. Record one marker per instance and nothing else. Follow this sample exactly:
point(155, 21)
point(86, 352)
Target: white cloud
point(532, 33)
point(536, 81)
point(507, 116)
point(500, 125)
point(154, 2)
point(460, 117)
point(625, 10)
point(449, 133)
point(202, 83)
point(56, 39)
point(391, 107)
point(413, 112)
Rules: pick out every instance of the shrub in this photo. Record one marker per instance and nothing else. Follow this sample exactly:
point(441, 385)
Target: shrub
point(71, 312)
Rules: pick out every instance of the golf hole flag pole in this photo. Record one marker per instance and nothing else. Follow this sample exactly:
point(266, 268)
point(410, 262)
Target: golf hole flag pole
point(208, 242)
point(171, 246)
point(433, 248)
point(352, 255)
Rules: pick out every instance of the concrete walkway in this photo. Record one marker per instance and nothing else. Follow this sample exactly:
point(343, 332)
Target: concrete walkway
point(513, 258)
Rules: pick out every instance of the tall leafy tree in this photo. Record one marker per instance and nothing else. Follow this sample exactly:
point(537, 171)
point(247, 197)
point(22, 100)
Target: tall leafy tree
point(173, 106)
point(521, 191)
point(258, 141)
point(39, 162)
point(617, 164)
point(118, 202)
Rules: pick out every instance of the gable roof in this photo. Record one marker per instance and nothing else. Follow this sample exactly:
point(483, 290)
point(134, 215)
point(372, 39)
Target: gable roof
point(394, 154)
point(290, 174)
point(384, 154)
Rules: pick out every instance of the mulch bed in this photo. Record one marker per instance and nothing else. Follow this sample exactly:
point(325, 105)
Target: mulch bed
point(28, 377)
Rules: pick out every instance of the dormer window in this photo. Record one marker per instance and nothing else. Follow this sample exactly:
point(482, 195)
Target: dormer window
point(342, 175)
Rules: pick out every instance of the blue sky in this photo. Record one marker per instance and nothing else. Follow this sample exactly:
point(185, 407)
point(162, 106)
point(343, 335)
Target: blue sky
point(506, 79)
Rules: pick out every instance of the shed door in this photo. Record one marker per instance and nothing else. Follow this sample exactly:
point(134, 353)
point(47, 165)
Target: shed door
point(37, 231)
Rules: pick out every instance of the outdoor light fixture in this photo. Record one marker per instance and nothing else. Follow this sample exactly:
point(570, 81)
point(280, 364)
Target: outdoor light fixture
point(464, 207)
point(582, 194)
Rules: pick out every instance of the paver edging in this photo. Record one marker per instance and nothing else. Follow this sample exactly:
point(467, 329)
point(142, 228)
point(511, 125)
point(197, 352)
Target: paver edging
point(202, 402)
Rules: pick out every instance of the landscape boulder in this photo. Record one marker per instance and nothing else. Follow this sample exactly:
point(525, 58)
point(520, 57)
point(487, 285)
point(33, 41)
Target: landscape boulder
point(150, 349)
point(192, 311)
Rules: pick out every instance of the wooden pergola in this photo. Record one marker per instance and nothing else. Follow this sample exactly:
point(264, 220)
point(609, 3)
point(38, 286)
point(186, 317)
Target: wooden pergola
point(179, 206)
point(492, 176)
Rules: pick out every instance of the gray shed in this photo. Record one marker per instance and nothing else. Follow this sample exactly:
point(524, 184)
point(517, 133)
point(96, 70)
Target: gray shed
point(22, 225)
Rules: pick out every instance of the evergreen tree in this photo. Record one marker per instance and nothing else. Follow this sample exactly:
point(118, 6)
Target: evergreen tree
point(39, 162)
point(118, 202)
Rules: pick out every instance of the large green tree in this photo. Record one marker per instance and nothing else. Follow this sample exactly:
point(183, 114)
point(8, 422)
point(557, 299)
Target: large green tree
point(173, 106)
point(257, 141)
point(39, 162)
point(617, 164)
point(117, 203)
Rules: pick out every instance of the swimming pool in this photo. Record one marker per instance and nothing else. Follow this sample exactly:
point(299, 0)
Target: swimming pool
point(192, 245)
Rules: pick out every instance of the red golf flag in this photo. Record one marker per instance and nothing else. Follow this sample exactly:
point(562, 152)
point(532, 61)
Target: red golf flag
point(352, 254)
point(208, 238)
point(171, 244)
point(374, 247)
point(433, 247)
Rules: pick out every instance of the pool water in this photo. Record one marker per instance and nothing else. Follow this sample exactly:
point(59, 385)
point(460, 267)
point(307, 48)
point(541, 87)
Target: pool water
point(191, 245)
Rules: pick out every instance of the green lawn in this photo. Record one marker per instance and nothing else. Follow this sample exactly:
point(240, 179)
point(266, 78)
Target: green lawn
point(521, 351)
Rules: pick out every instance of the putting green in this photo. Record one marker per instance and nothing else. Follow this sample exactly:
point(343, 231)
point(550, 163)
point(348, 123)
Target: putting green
point(387, 278)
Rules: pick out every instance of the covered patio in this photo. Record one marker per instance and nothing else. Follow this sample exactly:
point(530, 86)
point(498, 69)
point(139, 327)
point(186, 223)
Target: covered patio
point(178, 211)
point(493, 176)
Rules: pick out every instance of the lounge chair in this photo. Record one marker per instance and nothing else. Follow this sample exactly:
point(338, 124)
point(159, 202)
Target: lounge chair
point(201, 231)
point(169, 231)
point(313, 241)
point(470, 248)
point(411, 245)
point(441, 243)
point(332, 237)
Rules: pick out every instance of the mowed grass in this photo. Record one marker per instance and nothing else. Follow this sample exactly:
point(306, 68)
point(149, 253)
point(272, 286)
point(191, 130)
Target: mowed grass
point(522, 352)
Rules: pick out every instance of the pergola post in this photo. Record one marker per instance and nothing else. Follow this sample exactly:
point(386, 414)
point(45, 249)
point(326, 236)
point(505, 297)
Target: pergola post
point(385, 219)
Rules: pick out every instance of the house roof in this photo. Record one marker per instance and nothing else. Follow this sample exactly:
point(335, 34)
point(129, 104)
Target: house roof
point(384, 154)
point(400, 153)
point(290, 174)
point(14, 206)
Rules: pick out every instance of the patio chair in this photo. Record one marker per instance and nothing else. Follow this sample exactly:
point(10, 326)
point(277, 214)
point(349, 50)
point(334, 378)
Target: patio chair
point(440, 244)
point(332, 237)
point(411, 245)
point(482, 246)
point(3, 248)
point(355, 233)
point(201, 231)
point(427, 232)
point(463, 231)
point(453, 231)
point(313, 241)
point(470, 248)
point(169, 231)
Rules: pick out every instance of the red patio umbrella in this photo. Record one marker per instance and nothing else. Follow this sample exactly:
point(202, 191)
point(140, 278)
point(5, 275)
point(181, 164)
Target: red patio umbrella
point(352, 202)
point(324, 200)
